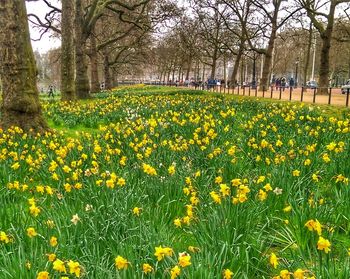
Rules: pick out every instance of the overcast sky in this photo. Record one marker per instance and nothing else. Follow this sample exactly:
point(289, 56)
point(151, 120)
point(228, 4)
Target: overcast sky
point(46, 43)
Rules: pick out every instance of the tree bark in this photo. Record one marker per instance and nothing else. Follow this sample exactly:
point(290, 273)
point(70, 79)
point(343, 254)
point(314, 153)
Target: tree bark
point(189, 66)
point(196, 71)
point(243, 73)
point(203, 73)
point(95, 85)
point(173, 74)
point(349, 65)
point(213, 65)
point(308, 53)
point(265, 82)
point(168, 78)
point(107, 73)
point(326, 37)
point(67, 51)
point(324, 65)
point(20, 98)
point(179, 74)
point(82, 87)
point(236, 65)
point(114, 78)
point(225, 74)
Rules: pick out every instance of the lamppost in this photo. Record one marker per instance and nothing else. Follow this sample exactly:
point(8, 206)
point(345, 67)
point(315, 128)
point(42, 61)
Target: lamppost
point(254, 71)
point(313, 60)
point(296, 73)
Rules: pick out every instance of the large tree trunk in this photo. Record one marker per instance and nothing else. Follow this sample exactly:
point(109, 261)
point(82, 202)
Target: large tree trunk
point(82, 87)
point(243, 74)
point(213, 65)
point(173, 74)
point(114, 78)
point(20, 97)
point(168, 78)
point(179, 74)
point(67, 51)
point(308, 53)
point(265, 79)
point(203, 73)
point(196, 71)
point(225, 73)
point(324, 66)
point(95, 85)
point(326, 37)
point(107, 73)
point(189, 66)
point(349, 64)
point(236, 65)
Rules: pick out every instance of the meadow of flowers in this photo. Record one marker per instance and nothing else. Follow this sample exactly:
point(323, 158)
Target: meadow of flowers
point(177, 185)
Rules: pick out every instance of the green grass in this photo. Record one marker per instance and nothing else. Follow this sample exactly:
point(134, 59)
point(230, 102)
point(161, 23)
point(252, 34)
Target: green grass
point(71, 132)
point(210, 139)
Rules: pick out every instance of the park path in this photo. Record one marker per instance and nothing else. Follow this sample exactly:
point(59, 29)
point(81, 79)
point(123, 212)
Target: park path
point(295, 94)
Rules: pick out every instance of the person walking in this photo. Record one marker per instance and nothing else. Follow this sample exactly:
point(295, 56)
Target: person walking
point(291, 82)
point(278, 83)
point(50, 91)
point(283, 83)
point(102, 86)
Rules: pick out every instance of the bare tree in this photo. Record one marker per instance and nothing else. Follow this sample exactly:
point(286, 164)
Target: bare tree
point(50, 21)
point(236, 20)
point(85, 21)
point(211, 32)
point(270, 16)
point(324, 23)
point(188, 36)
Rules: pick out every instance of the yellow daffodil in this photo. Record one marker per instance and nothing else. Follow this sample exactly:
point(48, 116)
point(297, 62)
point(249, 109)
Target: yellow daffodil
point(184, 259)
point(298, 274)
point(53, 241)
point(177, 222)
point(147, 268)
point(285, 274)
point(43, 275)
point(31, 232)
point(323, 244)
point(136, 211)
point(175, 272)
point(273, 260)
point(59, 266)
point(4, 237)
point(314, 225)
point(121, 263)
point(74, 268)
point(227, 274)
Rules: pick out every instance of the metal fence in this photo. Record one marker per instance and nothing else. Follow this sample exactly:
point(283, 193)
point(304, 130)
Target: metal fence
point(302, 94)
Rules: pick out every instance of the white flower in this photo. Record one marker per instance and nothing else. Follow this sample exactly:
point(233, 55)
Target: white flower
point(278, 191)
point(75, 219)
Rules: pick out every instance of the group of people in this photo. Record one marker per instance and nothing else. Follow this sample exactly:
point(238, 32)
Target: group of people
point(282, 83)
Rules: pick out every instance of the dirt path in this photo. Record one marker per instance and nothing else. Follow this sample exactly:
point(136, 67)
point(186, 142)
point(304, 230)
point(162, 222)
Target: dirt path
point(308, 96)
